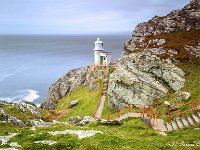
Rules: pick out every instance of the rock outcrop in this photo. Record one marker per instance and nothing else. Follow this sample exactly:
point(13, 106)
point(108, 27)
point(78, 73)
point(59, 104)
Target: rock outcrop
point(11, 119)
point(19, 113)
point(147, 70)
point(81, 120)
point(68, 83)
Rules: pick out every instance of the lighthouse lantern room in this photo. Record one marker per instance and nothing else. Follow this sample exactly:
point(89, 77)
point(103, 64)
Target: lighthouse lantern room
point(101, 57)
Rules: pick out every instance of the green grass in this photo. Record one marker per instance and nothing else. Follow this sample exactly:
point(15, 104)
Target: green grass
point(133, 134)
point(86, 106)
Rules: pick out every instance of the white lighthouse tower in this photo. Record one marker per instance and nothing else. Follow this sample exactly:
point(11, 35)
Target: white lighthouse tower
point(101, 57)
point(98, 47)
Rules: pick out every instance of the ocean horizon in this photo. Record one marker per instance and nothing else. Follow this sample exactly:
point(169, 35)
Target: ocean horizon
point(29, 64)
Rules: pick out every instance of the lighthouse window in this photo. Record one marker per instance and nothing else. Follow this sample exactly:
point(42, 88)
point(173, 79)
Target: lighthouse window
point(104, 58)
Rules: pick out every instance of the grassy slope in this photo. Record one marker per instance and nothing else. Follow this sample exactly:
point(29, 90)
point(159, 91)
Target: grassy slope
point(86, 106)
point(133, 134)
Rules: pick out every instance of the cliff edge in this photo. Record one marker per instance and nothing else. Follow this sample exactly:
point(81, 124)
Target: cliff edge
point(147, 70)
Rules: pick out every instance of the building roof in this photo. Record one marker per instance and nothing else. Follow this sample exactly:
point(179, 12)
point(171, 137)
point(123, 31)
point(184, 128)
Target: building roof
point(98, 40)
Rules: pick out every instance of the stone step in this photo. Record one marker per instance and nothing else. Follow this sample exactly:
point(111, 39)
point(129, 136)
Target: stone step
point(169, 126)
point(198, 113)
point(196, 118)
point(185, 121)
point(179, 122)
point(160, 125)
point(174, 125)
point(190, 120)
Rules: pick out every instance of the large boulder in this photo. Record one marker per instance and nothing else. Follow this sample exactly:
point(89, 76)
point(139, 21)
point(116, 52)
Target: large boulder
point(140, 78)
point(73, 103)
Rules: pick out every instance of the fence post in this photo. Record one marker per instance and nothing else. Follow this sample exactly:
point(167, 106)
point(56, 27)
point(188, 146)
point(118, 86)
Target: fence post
point(144, 110)
point(108, 118)
point(118, 113)
point(155, 116)
point(169, 117)
point(129, 108)
point(195, 106)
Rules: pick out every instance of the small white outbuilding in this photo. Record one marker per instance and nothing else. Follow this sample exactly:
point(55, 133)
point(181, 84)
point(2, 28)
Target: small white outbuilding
point(101, 57)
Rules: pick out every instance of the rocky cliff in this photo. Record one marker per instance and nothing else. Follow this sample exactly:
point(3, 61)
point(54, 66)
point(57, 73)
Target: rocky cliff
point(147, 69)
point(68, 83)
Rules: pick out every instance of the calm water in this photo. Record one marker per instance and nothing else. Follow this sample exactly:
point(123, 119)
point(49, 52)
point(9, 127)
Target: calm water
point(29, 64)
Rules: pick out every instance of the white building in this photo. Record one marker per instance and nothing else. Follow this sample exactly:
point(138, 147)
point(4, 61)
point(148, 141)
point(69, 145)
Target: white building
point(101, 57)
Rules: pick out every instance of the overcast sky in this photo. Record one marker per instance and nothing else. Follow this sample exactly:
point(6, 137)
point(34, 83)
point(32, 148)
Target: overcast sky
point(79, 16)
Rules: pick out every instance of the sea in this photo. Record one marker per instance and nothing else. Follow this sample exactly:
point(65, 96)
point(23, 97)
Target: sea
point(29, 64)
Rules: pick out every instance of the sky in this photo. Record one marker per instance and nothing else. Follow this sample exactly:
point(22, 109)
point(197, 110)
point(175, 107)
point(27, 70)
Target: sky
point(79, 16)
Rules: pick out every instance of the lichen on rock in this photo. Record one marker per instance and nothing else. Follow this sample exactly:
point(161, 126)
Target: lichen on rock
point(139, 78)
point(147, 69)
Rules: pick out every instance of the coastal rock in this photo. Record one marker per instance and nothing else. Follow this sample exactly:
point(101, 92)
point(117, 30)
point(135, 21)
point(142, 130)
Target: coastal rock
point(183, 19)
point(73, 103)
point(4, 139)
point(11, 119)
point(81, 120)
point(183, 96)
point(171, 106)
point(139, 78)
point(146, 70)
point(14, 144)
point(40, 123)
point(81, 133)
point(109, 122)
point(31, 107)
point(48, 142)
point(68, 83)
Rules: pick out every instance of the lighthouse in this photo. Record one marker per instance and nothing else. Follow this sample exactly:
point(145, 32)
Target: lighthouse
point(101, 57)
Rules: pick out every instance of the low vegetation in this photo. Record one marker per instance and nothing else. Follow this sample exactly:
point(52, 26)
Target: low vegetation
point(87, 103)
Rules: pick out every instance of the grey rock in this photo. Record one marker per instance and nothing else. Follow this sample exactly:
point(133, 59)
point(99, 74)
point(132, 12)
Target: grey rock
point(20, 107)
point(178, 20)
point(4, 103)
point(81, 120)
point(14, 144)
point(139, 78)
point(183, 96)
point(109, 122)
point(48, 142)
point(73, 103)
point(11, 119)
point(40, 123)
point(4, 139)
point(68, 83)
point(31, 107)
point(81, 133)
point(167, 104)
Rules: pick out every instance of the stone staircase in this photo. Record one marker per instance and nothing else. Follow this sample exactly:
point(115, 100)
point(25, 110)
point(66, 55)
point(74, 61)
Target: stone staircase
point(178, 123)
point(128, 115)
point(183, 122)
point(160, 124)
point(100, 105)
point(105, 86)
